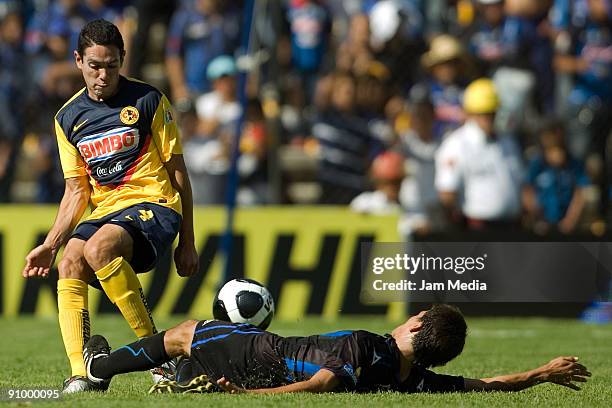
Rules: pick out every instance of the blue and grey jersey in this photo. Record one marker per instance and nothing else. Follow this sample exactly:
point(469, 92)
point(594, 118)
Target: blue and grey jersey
point(253, 358)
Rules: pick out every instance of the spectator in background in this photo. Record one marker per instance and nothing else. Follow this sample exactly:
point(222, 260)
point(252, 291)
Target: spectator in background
point(48, 40)
point(252, 163)
point(505, 47)
point(199, 31)
point(554, 194)
point(309, 28)
point(588, 57)
point(393, 43)
point(446, 65)
point(386, 175)
point(345, 140)
point(294, 113)
point(149, 12)
point(371, 95)
point(496, 39)
point(68, 17)
point(564, 12)
point(47, 167)
point(52, 37)
point(372, 78)
point(420, 143)
point(220, 106)
point(13, 80)
point(354, 53)
point(412, 19)
point(537, 15)
point(207, 151)
point(479, 172)
point(447, 16)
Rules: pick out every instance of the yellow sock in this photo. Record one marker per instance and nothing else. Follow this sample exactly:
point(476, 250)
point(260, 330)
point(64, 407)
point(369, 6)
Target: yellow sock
point(122, 287)
point(73, 320)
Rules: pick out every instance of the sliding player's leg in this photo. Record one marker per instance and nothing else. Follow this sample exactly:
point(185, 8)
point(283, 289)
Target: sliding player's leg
point(144, 354)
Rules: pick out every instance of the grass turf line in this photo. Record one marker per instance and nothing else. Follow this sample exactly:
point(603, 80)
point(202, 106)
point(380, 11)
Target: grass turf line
point(32, 356)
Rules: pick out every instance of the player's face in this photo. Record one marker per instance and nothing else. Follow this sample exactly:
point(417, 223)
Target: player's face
point(100, 65)
point(417, 317)
point(414, 322)
point(411, 326)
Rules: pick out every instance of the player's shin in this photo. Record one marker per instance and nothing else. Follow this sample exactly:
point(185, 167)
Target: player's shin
point(144, 354)
point(73, 320)
point(122, 287)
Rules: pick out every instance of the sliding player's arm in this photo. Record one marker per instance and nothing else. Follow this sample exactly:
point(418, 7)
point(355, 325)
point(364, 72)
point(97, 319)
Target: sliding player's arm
point(322, 381)
point(565, 371)
point(71, 209)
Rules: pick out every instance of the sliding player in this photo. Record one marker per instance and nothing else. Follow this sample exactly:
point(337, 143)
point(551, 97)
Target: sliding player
point(242, 358)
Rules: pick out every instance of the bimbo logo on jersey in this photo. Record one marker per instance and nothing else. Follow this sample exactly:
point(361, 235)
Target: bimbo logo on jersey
point(104, 145)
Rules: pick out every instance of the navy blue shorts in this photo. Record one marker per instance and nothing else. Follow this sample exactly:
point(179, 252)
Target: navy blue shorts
point(152, 227)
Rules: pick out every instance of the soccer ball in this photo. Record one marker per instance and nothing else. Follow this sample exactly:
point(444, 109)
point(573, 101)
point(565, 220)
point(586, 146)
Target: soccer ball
point(244, 301)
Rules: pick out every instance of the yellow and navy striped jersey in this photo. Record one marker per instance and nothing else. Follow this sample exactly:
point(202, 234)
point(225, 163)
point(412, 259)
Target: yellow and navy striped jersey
point(122, 144)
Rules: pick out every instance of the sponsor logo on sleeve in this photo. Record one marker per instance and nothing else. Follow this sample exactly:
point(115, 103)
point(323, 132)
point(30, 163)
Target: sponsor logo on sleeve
point(167, 116)
point(349, 370)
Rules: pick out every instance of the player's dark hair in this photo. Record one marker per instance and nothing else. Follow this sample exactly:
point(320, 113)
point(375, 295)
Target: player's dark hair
point(441, 337)
point(100, 32)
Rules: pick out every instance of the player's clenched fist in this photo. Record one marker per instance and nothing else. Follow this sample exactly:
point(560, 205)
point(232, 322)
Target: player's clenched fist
point(186, 259)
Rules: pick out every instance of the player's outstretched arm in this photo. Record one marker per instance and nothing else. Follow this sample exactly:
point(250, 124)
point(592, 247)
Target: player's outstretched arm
point(564, 371)
point(185, 256)
point(322, 381)
point(71, 209)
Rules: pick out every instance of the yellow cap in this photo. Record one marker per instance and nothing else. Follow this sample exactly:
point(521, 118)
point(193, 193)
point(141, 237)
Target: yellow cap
point(480, 97)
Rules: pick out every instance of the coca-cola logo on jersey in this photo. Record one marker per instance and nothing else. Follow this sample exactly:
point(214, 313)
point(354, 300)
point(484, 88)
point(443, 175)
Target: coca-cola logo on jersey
point(102, 146)
point(110, 170)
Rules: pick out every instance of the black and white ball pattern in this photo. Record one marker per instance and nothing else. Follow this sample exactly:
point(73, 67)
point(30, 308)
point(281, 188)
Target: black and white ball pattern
point(244, 301)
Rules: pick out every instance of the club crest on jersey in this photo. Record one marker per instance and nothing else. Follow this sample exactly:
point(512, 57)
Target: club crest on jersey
point(114, 142)
point(129, 115)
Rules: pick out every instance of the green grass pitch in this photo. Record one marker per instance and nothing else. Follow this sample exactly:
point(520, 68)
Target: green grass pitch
point(32, 356)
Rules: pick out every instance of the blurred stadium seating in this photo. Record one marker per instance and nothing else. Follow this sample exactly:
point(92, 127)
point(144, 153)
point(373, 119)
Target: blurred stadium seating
point(332, 85)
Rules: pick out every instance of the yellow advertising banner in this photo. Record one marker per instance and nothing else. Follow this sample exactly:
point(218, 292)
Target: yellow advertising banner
point(309, 258)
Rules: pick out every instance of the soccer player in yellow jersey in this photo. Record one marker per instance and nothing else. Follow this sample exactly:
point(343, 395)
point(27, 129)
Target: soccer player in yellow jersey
point(120, 153)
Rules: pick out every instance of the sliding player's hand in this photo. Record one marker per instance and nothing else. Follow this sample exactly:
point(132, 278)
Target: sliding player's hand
point(229, 387)
point(565, 371)
point(38, 262)
point(186, 259)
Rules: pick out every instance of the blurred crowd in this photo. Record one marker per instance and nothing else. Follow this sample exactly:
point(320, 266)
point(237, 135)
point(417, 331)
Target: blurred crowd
point(471, 114)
